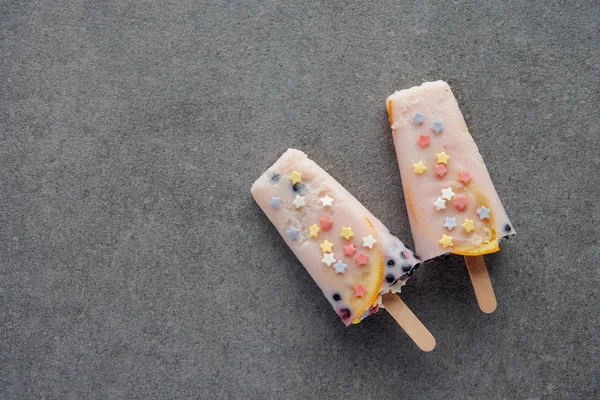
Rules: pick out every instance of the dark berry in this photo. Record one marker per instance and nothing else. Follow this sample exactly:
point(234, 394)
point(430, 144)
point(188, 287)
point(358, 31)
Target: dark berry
point(275, 177)
point(337, 297)
point(390, 263)
point(345, 313)
point(390, 278)
point(406, 267)
point(507, 228)
point(298, 187)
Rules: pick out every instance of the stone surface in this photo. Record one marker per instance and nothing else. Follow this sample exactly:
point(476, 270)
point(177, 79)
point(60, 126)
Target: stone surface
point(135, 264)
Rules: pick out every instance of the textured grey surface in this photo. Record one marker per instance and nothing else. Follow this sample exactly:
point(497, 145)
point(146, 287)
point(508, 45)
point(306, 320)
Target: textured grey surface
point(135, 264)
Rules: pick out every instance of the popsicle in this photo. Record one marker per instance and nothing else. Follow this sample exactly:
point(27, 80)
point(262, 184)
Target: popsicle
point(451, 201)
point(349, 253)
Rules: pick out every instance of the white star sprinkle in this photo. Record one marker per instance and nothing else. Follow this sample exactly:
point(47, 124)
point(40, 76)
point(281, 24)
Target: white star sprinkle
point(328, 259)
point(369, 241)
point(340, 267)
point(299, 201)
point(450, 223)
point(440, 204)
point(327, 201)
point(447, 193)
point(483, 212)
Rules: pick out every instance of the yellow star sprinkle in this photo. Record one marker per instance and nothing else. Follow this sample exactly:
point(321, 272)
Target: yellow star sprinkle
point(314, 230)
point(442, 158)
point(296, 177)
point(468, 225)
point(346, 232)
point(446, 241)
point(326, 246)
point(419, 168)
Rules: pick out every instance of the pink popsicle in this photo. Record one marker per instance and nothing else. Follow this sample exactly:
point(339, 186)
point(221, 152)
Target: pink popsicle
point(451, 201)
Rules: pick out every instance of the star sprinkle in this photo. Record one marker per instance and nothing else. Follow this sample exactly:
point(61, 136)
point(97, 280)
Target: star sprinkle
point(275, 202)
point(437, 126)
point(360, 290)
point(328, 259)
point(439, 204)
point(327, 201)
point(419, 168)
point(423, 140)
point(468, 225)
point(296, 177)
point(340, 267)
point(349, 250)
point(447, 193)
point(299, 201)
point(326, 223)
point(326, 246)
point(418, 118)
point(483, 212)
point(362, 259)
point(461, 202)
point(293, 233)
point(369, 241)
point(440, 170)
point(346, 232)
point(446, 241)
point(314, 230)
point(442, 158)
point(450, 223)
point(465, 177)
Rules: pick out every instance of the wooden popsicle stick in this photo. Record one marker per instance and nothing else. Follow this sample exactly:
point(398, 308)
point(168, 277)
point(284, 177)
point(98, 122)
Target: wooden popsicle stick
point(409, 322)
point(481, 283)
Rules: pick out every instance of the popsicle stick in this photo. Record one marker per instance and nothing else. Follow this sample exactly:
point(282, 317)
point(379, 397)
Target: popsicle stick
point(481, 283)
point(409, 322)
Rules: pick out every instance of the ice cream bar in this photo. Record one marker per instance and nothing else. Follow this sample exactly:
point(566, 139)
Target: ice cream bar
point(451, 201)
point(349, 253)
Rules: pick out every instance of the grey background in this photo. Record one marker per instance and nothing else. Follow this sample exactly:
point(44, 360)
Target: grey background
point(135, 264)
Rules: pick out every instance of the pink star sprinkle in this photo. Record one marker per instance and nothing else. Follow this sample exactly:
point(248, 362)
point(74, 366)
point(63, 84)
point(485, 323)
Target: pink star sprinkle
point(326, 223)
point(350, 250)
point(362, 259)
point(360, 290)
point(440, 170)
point(423, 140)
point(461, 202)
point(465, 177)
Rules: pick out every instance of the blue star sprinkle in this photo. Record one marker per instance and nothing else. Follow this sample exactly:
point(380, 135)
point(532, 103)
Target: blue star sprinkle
point(418, 118)
point(340, 267)
point(437, 127)
point(483, 212)
point(293, 233)
point(450, 223)
point(275, 202)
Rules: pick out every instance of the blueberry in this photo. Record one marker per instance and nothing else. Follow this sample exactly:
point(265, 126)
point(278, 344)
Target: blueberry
point(507, 228)
point(406, 267)
point(345, 313)
point(390, 263)
point(275, 177)
point(390, 278)
point(298, 187)
point(337, 297)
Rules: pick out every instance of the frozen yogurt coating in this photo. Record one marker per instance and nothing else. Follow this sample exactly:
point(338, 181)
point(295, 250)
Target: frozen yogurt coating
point(349, 253)
point(451, 201)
